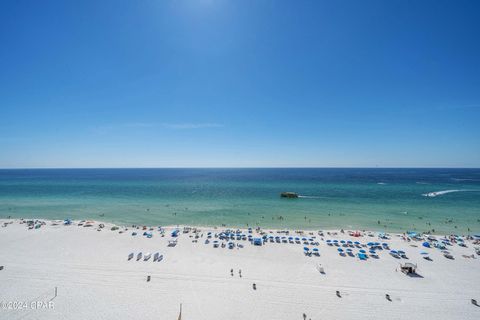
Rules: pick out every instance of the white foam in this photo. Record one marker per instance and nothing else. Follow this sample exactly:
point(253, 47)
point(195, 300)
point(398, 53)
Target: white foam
point(439, 193)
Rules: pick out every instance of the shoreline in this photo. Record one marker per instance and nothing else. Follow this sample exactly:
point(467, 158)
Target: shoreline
point(234, 227)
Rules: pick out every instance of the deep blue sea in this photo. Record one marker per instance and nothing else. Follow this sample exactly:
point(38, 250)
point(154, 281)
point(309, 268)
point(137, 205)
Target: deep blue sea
point(374, 199)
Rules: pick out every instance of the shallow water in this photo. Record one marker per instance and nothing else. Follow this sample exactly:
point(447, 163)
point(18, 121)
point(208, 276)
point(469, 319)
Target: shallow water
point(377, 199)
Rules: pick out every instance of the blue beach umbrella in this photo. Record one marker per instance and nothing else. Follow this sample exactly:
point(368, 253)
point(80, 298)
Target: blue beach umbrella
point(340, 250)
point(362, 251)
point(306, 249)
point(356, 242)
point(315, 249)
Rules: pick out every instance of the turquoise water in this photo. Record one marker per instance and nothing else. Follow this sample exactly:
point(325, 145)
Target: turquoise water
point(376, 199)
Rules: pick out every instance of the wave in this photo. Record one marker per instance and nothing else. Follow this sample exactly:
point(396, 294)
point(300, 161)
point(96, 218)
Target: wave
point(382, 183)
point(439, 193)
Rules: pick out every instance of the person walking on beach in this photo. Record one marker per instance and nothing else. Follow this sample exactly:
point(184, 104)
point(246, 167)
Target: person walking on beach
point(240, 273)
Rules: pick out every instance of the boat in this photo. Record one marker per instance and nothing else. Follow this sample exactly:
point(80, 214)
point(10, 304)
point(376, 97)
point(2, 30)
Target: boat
point(290, 195)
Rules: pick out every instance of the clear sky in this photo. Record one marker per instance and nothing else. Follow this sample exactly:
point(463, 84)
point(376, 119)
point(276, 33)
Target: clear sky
point(260, 83)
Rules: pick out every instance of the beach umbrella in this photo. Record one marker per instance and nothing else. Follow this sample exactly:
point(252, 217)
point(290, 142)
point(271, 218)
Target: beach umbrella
point(372, 251)
point(423, 252)
point(297, 238)
point(362, 251)
point(349, 241)
point(306, 249)
point(335, 240)
point(290, 238)
point(342, 241)
point(393, 251)
point(426, 244)
point(340, 250)
point(349, 250)
point(370, 244)
point(401, 252)
point(356, 242)
point(315, 249)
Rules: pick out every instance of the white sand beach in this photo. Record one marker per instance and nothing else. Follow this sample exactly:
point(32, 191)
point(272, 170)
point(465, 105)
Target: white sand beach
point(94, 279)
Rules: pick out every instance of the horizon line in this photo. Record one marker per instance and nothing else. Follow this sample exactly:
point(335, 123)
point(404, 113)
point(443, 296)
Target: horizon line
point(237, 167)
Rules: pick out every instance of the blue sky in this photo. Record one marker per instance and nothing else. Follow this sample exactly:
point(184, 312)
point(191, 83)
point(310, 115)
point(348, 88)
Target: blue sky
point(239, 83)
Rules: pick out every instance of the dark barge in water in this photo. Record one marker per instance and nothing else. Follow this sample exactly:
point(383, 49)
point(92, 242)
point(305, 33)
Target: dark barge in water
point(291, 195)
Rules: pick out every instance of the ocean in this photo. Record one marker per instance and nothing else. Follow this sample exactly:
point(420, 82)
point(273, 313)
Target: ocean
point(392, 200)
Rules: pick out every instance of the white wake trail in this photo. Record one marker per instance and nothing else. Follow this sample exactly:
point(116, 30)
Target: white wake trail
point(439, 193)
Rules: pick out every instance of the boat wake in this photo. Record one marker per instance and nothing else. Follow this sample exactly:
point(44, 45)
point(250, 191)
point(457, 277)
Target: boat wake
point(439, 193)
point(309, 197)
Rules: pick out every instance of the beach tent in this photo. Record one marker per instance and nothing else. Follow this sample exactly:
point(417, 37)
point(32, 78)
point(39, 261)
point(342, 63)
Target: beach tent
point(408, 268)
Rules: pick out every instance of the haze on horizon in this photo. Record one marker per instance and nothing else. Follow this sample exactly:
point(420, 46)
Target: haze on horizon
point(239, 84)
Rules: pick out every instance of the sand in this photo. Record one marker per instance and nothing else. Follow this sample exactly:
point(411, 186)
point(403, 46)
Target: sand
point(94, 280)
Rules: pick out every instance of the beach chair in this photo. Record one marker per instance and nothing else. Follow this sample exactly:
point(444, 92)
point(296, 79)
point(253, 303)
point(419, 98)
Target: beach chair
point(130, 256)
point(362, 256)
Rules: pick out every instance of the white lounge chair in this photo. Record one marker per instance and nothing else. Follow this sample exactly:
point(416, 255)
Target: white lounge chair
point(147, 256)
point(139, 256)
point(130, 256)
